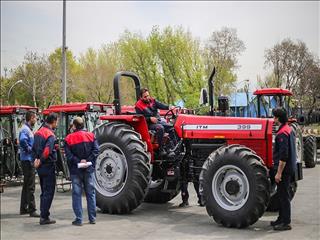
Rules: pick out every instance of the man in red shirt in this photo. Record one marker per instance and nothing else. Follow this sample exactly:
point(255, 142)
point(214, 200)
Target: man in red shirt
point(148, 107)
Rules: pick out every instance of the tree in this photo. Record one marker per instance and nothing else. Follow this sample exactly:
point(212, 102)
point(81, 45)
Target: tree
point(222, 51)
point(289, 60)
point(138, 56)
point(309, 87)
point(269, 81)
point(180, 64)
point(74, 92)
point(36, 75)
point(97, 69)
point(168, 62)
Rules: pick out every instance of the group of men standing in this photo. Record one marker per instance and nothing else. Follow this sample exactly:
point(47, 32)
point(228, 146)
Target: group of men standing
point(38, 151)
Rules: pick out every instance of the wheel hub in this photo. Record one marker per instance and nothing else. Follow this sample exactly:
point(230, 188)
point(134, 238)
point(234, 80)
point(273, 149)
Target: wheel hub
point(111, 170)
point(232, 187)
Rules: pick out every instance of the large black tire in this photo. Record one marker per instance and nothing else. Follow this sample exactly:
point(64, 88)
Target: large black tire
point(274, 203)
point(157, 195)
point(310, 151)
point(62, 166)
point(299, 141)
point(235, 186)
point(10, 160)
point(122, 170)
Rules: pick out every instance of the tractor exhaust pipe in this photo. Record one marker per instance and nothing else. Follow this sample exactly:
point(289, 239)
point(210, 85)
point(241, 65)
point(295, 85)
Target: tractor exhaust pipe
point(211, 92)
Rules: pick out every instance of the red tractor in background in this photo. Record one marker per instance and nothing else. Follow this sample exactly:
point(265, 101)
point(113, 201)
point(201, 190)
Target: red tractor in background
point(11, 120)
point(306, 145)
point(89, 111)
point(230, 157)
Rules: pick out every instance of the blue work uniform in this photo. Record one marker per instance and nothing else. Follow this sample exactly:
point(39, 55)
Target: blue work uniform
point(44, 149)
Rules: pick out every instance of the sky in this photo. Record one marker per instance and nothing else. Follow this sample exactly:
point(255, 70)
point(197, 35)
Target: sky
point(37, 26)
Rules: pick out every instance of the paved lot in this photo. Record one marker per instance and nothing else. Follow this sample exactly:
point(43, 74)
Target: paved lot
point(166, 221)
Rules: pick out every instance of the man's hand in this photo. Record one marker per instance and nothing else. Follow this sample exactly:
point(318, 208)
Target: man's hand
point(277, 178)
point(84, 161)
point(172, 108)
point(37, 163)
point(153, 119)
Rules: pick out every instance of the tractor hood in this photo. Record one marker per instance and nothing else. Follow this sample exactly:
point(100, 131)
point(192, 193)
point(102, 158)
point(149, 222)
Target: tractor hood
point(209, 127)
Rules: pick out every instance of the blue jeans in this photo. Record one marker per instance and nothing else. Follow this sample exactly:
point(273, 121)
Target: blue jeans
point(83, 180)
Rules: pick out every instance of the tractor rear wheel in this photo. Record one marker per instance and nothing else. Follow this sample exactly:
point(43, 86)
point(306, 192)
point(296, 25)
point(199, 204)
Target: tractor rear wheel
point(122, 168)
point(310, 151)
point(235, 187)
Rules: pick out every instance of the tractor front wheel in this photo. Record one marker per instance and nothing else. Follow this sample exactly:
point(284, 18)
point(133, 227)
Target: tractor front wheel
point(235, 187)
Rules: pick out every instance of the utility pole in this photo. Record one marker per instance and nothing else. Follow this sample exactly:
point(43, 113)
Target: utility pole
point(64, 62)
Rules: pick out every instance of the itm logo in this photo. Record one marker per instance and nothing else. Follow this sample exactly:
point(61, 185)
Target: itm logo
point(202, 126)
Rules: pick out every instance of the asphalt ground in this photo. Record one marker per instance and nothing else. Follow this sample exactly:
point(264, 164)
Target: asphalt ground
point(165, 221)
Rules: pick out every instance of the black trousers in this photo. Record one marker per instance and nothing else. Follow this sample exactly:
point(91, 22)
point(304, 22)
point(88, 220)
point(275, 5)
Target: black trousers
point(159, 128)
point(283, 188)
point(47, 178)
point(162, 127)
point(185, 193)
point(27, 204)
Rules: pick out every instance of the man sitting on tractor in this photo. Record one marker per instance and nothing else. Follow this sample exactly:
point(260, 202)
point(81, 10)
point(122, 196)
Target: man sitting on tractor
point(148, 107)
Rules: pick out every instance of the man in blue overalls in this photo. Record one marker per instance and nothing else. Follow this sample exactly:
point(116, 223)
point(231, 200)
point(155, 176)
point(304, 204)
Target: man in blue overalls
point(284, 157)
point(45, 158)
point(26, 139)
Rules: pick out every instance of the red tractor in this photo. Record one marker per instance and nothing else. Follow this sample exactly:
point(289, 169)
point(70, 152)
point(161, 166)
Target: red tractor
point(11, 120)
point(230, 157)
point(306, 145)
point(89, 111)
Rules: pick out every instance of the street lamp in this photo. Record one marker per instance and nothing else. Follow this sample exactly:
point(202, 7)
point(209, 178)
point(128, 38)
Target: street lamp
point(9, 92)
point(235, 95)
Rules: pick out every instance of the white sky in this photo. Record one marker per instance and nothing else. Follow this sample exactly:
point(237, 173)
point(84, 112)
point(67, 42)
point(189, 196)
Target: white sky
point(37, 26)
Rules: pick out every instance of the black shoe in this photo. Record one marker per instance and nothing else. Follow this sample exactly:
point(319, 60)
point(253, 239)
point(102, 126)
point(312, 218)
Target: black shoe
point(275, 223)
point(184, 204)
point(47, 221)
point(76, 223)
point(24, 212)
point(92, 222)
point(34, 214)
point(282, 227)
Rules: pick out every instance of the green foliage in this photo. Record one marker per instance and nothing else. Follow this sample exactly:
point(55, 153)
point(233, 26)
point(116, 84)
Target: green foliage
point(222, 51)
point(170, 62)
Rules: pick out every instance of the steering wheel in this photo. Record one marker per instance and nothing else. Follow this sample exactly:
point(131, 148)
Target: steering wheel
point(170, 114)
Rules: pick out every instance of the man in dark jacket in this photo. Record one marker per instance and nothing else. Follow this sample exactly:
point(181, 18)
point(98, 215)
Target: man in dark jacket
point(82, 150)
point(26, 139)
point(45, 158)
point(149, 107)
point(284, 157)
